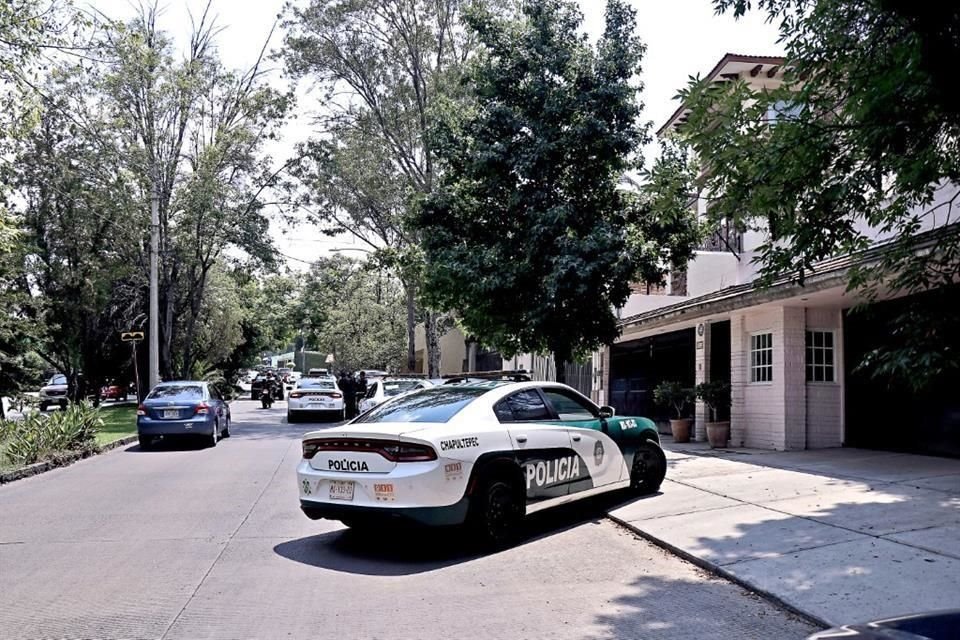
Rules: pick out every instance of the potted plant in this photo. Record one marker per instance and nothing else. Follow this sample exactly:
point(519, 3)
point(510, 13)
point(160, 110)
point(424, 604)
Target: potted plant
point(716, 395)
point(674, 395)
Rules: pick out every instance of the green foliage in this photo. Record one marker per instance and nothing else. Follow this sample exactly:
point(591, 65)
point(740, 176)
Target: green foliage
point(39, 436)
point(354, 311)
point(673, 395)
point(715, 394)
point(859, 139)
point(383, 67)
point(530, 237)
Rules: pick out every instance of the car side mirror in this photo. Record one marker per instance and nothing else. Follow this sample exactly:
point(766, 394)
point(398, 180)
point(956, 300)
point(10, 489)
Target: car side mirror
point(607, 411)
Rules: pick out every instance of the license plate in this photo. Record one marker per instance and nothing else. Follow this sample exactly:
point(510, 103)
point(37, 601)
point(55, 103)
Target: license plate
point(169, 414)
point(341, 490)
point(319, 404)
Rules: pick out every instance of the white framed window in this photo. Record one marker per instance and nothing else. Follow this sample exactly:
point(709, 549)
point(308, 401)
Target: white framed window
point(761, 357)
point(821, 356)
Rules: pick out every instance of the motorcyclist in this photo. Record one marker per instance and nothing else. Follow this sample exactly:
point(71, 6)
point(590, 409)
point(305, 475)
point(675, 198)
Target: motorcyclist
point(268, 391)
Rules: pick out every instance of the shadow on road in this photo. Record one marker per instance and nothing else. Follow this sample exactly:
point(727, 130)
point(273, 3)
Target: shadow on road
point(172, 443)
point(408, 550)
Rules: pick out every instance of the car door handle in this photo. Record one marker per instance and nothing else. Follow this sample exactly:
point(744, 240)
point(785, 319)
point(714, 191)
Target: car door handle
point(521, 439)
point(576, 438)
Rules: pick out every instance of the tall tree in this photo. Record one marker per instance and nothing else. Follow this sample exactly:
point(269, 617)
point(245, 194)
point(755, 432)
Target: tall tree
point(193, 133)
point(354, 311)
point(862, 138)
point(530, 238)
point(81, 242)
point(382, 64)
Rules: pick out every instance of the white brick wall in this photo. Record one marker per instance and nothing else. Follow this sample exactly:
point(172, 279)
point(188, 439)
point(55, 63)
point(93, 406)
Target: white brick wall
point(758, 408)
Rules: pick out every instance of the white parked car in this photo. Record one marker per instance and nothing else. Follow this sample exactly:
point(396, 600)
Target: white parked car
point(316, 397)
point(382, 389)
point(480, 453)
point(54, 392)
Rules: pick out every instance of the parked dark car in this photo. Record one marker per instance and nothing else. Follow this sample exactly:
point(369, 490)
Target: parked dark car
point(180, 408)
point(936, 625)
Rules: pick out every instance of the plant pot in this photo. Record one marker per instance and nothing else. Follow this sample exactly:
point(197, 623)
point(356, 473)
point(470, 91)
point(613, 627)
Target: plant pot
point(681, 429)
point(718, 434)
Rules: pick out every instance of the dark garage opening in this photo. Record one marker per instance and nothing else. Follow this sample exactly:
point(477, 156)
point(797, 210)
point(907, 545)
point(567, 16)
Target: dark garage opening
point(885, 415)
point(636, 367)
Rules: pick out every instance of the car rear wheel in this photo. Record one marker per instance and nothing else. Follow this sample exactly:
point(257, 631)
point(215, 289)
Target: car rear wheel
point(291, 419)
point(212, 441)
point(226, 430)
point(145, 442)
point(496, 512)
point(649, 468)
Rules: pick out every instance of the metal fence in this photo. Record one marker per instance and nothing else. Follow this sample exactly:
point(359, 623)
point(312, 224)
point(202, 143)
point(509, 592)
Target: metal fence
point(579, 374)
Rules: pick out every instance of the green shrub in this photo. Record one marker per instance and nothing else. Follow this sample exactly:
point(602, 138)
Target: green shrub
point(39, 436)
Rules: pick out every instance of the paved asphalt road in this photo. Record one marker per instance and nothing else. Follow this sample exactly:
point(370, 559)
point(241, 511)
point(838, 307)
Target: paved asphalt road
point(186, 542)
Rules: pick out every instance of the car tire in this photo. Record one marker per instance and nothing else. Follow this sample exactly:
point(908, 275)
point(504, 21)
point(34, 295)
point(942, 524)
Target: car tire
point(226, 430)
point(649, 469)
point(291, 419)
point(145, 442)
point(496, 512)
point(44, 406)
point(212, 439)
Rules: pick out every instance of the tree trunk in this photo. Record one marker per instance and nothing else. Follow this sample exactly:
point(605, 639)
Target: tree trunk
point(559, 362)
point(433, 344)
point(411, 330)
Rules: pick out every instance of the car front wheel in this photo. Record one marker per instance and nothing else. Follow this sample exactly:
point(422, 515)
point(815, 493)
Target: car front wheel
point(496, 512)
point(649, 468)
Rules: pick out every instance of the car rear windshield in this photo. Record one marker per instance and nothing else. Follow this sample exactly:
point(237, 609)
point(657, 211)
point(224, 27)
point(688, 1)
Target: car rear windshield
point(428, 405)
point(308, 383)
point(396, 387)
point(177, 392)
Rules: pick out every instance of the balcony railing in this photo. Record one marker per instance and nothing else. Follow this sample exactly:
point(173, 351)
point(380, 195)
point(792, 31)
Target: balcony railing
point(725, 239)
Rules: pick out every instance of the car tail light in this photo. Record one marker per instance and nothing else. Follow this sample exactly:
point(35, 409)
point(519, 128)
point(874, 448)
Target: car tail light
point(336, 395)
point(404, 452)
point(310, 448)
point(202, 409)
point(141, 410)
point(296, 394)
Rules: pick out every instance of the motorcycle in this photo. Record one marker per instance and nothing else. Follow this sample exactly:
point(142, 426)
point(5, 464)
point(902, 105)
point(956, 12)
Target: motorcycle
point(266, 397)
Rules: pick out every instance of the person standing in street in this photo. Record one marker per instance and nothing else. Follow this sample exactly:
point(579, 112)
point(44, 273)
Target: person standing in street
point(361, 389)
point(349, 389)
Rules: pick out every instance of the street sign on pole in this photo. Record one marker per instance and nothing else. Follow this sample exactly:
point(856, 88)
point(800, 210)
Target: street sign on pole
point(131, 336)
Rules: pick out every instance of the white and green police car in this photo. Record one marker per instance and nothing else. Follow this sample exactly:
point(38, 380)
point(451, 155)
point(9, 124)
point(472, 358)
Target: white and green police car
point(481, 453)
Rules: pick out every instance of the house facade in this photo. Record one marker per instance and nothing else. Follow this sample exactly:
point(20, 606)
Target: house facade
point(789, 352)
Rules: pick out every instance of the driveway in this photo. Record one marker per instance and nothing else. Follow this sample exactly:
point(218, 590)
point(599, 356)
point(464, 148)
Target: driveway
point(185, 542)
point(846, 535)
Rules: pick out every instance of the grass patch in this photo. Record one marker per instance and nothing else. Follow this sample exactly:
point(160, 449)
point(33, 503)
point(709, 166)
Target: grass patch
point(118, 422)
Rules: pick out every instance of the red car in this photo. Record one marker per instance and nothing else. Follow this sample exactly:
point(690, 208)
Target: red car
point(114, 392)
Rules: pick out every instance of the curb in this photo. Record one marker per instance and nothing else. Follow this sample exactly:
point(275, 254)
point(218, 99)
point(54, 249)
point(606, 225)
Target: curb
point(62, 461)
point(720, 572)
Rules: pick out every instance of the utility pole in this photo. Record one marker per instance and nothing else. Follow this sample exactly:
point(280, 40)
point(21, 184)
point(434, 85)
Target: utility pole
point(154, 374)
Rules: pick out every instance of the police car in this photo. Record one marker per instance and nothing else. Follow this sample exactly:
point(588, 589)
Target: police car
point(482, 453)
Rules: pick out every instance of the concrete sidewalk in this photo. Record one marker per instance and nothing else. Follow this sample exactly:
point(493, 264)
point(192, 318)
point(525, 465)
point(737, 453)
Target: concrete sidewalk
point(844, 535)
